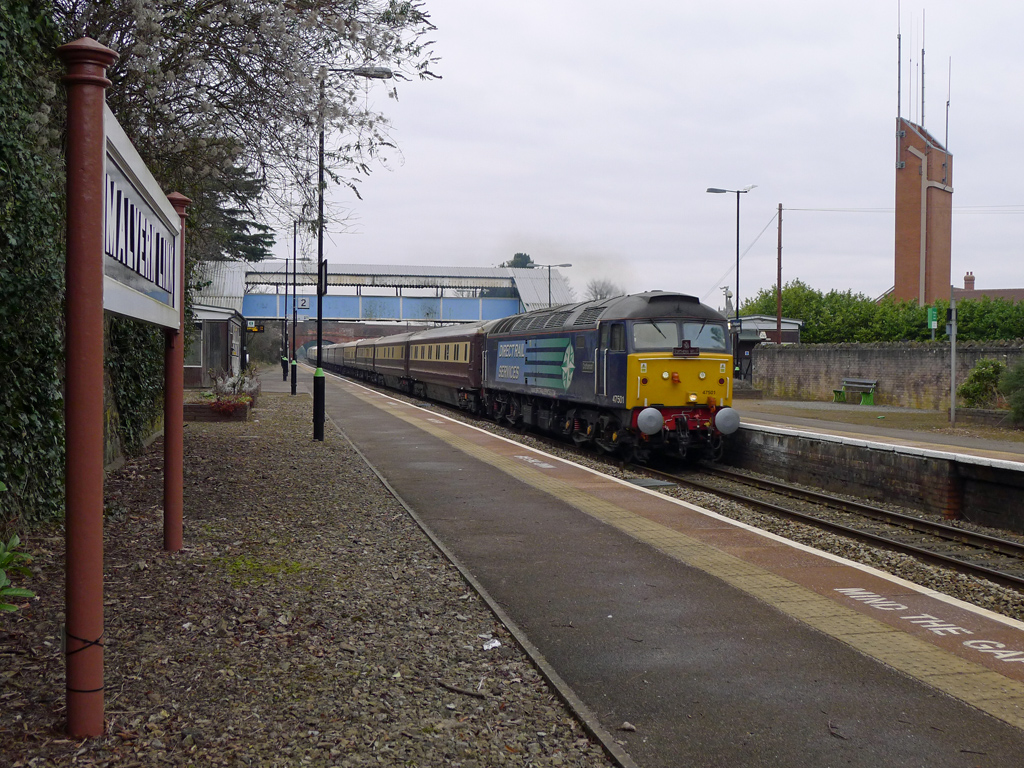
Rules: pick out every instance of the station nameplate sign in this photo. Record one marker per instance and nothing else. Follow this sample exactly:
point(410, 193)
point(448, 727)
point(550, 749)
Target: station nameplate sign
point(141, 232)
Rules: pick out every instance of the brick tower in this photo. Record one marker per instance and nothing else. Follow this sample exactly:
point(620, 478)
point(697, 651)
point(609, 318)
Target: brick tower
point(924, 208)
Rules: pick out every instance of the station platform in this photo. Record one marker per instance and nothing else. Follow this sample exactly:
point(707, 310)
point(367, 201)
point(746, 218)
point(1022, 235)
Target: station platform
point(928, 430)
point(686, 638)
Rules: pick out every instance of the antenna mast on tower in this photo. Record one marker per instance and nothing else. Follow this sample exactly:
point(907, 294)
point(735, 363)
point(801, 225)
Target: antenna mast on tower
point(949, 88)
point(899, 82)
point(922, 68)
point(899, 64)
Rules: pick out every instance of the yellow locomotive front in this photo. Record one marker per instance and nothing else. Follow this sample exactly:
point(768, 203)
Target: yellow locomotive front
point(679, 383)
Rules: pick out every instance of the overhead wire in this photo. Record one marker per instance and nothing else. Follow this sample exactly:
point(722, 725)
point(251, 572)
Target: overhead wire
point(742, 254)
point(963, 209)
point(990, 210)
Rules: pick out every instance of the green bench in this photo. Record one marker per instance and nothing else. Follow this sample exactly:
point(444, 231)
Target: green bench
point(865, 387)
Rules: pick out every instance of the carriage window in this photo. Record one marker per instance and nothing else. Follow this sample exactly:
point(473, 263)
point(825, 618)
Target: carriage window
point(447, 350)
point(437, 352)
point(655, 334)
point(618, 340)
point(456, 351)
point(706, 336)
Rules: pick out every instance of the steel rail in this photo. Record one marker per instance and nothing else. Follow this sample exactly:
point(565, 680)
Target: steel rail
point(930, 527)
point(964, 566)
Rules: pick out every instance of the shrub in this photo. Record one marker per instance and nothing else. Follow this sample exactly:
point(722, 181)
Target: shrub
point(981, 390)
point(228, 404)
point(245, 383)
point(1011, 384)
point(12, 561)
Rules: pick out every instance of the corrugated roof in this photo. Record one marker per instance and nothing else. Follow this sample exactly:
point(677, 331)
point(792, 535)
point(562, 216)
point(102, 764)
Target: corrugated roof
point(532, 285)
point(229, 281)
point(226, 283)
point(385, 276)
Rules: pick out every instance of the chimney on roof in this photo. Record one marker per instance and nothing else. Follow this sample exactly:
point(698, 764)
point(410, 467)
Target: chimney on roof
point(969, 281)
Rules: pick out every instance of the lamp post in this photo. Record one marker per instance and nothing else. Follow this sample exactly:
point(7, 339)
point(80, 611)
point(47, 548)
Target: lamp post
point(319, 382)
point(549, 266)
point(295, 298)
point(737, 192)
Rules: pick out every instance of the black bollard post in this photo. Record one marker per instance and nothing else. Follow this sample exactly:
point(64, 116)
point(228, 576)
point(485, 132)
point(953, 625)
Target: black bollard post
point(284, 368)
point(295, 375)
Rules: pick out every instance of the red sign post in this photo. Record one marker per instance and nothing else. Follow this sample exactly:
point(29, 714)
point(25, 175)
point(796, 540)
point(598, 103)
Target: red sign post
point(119, 223)
point(174, 405)
point(86, 62)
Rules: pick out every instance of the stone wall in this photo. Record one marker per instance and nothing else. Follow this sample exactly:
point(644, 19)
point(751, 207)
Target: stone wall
point(912, 374)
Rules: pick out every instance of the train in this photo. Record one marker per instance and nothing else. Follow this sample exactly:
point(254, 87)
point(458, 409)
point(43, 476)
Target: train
point(635, 375)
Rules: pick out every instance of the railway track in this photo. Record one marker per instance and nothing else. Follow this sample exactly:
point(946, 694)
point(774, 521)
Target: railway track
point(989, 557)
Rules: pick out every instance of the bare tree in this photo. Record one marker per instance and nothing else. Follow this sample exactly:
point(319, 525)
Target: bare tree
point(602, 289)
point(222, 98)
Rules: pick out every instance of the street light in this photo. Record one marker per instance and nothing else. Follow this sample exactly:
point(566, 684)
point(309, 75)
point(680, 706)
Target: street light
point(737, 192)
point(549, 266)
point(319, 382)
point(295, 297)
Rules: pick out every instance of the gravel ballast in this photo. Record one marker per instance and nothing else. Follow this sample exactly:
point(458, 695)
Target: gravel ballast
point(308, 621)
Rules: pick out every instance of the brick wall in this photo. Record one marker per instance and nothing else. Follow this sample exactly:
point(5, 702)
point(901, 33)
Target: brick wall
point(912, 375)
point(977, 492)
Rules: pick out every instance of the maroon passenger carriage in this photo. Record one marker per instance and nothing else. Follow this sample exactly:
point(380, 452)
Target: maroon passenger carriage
point(441, 364)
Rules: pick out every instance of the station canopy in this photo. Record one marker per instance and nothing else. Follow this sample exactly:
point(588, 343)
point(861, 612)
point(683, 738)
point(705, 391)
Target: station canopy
point(228, 282)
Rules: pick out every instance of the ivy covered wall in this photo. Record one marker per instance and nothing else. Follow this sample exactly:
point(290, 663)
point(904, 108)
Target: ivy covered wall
point(32, 248)
point(31, 265)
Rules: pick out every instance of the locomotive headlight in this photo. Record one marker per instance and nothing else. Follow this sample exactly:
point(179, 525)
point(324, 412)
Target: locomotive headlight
point(664, 374)
point(693, 397)
point(702, 375)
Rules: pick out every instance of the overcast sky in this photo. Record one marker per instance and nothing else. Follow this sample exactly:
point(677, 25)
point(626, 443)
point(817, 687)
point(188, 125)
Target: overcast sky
point(587, 131)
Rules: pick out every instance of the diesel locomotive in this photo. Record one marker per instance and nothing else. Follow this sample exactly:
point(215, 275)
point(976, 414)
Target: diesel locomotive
point(634, 375)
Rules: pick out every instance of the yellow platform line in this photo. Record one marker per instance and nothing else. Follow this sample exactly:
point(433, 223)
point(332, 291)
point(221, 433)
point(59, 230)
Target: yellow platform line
point(968, 681)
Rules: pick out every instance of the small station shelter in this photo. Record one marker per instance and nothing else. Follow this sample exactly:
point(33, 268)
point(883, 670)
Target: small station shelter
point(762, 329)
point(217, 345)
